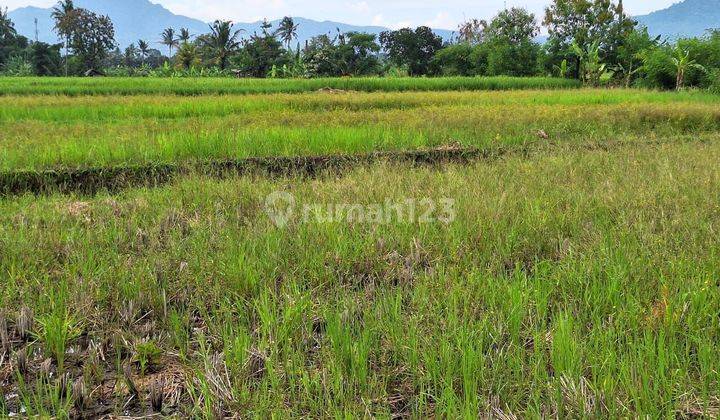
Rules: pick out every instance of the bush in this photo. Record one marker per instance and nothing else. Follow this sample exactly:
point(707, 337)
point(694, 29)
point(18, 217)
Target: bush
point(18, 66)
point(714, 77)
point(455, 60)
point(512, 59)
point(658, 69)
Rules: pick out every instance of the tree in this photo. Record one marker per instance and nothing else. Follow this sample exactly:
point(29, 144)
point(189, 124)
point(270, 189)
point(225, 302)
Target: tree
point(414, 49)
point(472, 32)
point(7, 28)
point(454, 60)
point(261, 54)
point(516, 25)
point(592, 68)
point(353, 53)
point(682, 62)
point(184, 35)
point(45, 58)
point(631, 55)
point(131, 53)
point(505, 58)
point(266, 26)
point(92, 38)
point(168, 39)
point(63, 15)
point(287, 30)
point(221, 42)
point(585, 22)
point(505, 46)
point(187, 56)
point(13, 59)
point(143, 49)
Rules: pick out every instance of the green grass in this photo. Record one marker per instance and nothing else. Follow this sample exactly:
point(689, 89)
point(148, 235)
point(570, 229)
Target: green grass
point(573, 283)
point(41, 132)
point(579, 278)
point(205, 86)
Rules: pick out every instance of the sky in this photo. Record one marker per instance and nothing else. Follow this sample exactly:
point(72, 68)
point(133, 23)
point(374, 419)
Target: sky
point(441, 14)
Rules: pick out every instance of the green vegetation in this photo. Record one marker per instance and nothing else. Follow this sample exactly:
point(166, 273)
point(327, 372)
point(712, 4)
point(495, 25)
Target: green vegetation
point(572, 273)
point(220, 86)
point(593, 41)
point(572, 284)
point(42, 132)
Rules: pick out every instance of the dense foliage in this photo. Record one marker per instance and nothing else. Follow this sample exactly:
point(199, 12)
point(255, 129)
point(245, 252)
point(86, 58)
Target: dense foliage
point(594, 41)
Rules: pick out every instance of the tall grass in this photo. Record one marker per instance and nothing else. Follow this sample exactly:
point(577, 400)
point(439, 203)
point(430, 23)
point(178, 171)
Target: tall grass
point(42, 132)
point(205, 86)
point(572, 284)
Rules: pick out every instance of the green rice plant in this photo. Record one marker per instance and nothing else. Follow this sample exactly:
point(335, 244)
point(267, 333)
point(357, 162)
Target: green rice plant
point(56, 330)
point(45, 398)
point(223, 86)
point(90, 132)
point(578, 279)
point(148, 355)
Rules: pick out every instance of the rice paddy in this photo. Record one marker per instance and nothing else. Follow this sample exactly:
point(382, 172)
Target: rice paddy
point(50, 132)
point(574, 274)
point(206, 86)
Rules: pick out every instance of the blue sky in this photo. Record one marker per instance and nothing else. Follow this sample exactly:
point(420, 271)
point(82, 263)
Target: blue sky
point(445, 14)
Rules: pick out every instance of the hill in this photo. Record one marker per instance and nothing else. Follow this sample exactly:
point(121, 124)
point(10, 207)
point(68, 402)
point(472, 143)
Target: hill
point(141, 19)
point(684, 19)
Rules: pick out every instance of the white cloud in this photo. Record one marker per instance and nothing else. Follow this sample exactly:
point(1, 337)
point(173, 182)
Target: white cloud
point(360, 7)
point(442, 20)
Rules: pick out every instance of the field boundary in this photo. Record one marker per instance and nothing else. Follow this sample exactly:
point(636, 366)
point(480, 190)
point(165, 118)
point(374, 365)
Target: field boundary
point(94, 179)
point(90, 181)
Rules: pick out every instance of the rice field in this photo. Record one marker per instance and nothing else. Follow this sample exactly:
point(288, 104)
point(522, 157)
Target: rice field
point(219, 86)
point(50, 132)
point(573, 275)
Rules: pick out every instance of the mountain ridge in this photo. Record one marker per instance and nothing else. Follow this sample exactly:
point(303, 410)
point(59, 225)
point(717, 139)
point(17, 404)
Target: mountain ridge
point(687, 18)
point(142, 19)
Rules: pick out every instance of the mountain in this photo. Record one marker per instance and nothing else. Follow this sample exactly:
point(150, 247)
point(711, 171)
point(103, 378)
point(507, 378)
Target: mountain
point(141, 19)
point(685, 19)
point(133, 19)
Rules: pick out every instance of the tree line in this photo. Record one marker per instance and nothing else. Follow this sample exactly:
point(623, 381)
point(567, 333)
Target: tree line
point(591, 40)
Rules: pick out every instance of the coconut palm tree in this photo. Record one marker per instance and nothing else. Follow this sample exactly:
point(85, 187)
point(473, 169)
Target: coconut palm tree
point(63, 14)
point(144, 49)
point(187, 56)
point(168, 39)
point(222, 41)
point(131, 53)
point(184, 36)
point(287, 30)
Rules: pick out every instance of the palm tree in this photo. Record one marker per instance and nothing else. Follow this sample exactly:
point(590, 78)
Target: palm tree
point(63, 14)
point(187, 56)
point(184, 36)
point(144, 50)
point(683, 63)
point(222, 41)
point(7, 29)
point(131, 53)
point(266, 26)
point(287, 30)
point(168, 39)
